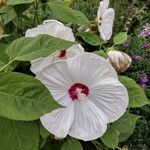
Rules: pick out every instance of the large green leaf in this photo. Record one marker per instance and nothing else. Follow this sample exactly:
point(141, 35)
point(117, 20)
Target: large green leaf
point(66, 14)
point(137, 97)
point(16, 2)
point(22, 97)
point(125, 125)
point(90, 38)
point(111, 137)
point(30, 48)
point(18, 135)
point(71, 144)
point(7, 14)
point(120, 38)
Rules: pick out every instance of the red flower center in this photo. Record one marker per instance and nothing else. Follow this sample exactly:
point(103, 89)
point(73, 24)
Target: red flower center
point(78, 91)
point(62, 53)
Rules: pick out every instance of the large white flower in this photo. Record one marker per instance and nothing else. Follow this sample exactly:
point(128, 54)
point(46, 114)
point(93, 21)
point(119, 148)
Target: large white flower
point(56, 29)
point(88, 87)
point(105, 18)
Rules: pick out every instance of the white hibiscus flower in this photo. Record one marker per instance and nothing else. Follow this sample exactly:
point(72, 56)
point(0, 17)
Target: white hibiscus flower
point(88, 87)
point(56, 29)
point(105, 18)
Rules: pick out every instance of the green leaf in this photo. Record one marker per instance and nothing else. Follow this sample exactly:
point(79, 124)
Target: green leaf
point(7, 14)
point(111, 137)
point(120, 38)
point(43, 132)
point(52, 144)
point(72, 144)
point(22, 97)
point(90, 38)
point(30, 48)
point(5, 9)
point(66, 14)
point(137, 97)
point(18, 135)
point(101, 53)
point(3, 56)
point(125, 125)
point(16, 2)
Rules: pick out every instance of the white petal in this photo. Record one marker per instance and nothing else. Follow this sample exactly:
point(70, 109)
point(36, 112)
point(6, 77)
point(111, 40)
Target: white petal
point(103, 6)
point(53, 28)
point(106, 26)
point(39, 64)
point(88, 69)
point(111, 97)
point(89, 122)
point(57, 79)
point(73, 50)
point(36, 31)
point(58, 122)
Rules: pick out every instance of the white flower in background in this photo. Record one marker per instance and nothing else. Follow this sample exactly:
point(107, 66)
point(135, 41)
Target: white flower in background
point(88, 87)
point(119, 60)
point(56, 29)
point(105, 18)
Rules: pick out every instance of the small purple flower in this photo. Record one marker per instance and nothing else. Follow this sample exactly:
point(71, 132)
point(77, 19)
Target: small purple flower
point(146, 45)
point(145, 30)
point(136, 57)
point(143, 81)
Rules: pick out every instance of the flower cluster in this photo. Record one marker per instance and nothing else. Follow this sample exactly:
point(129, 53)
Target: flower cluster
point(84, 83)
point(145, 30)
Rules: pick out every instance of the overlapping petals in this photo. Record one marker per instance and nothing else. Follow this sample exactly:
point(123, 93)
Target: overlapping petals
point(86, 117)
point(56, 29)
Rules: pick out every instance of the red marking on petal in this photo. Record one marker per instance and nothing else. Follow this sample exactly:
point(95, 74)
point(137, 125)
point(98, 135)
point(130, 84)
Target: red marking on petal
point(62, 53)
point(73, 90)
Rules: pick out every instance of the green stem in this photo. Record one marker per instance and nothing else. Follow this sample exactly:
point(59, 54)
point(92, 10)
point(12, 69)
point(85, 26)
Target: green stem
point(97, 145)
point(4, 67)
point(36, 18)
point(118, 148)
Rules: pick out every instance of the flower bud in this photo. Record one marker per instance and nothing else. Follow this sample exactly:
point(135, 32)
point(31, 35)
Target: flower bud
point(119, 60)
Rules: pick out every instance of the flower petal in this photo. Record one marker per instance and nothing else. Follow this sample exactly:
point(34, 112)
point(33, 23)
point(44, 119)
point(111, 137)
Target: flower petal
point(73, 50)
point(111, 97)
point(53, 28)
point(39, 64)
point(89, 121)
point(106, 26)
point(57, 79)
point(88, 69)
point(103, 6)
point(58, 122)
